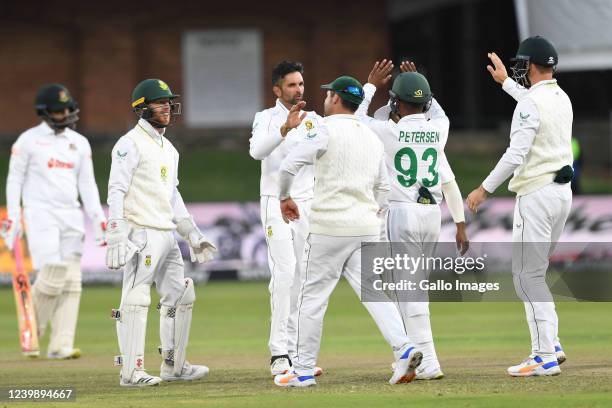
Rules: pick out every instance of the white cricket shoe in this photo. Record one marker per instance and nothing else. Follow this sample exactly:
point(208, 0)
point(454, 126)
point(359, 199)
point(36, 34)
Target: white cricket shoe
point(425, 373)
point(535, 366)
point(429, 373)
point(190, 372)
point(280, 365)
point(291, 379)
point(140, 378)
point(560, 354)
point(405, 366)
point(65, 353)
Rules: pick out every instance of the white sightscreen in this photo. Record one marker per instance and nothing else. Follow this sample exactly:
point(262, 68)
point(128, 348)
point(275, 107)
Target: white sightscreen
point(581, 30)
point(222, 77)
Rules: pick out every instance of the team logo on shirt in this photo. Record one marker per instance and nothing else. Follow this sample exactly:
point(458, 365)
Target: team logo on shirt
point(269, 231)
point(121, 156)
point(72, 146)
point(164, 173)
point(147, 261)
point(309, 129)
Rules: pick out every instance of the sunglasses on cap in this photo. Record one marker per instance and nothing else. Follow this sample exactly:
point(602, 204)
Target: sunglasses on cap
point(353, 90)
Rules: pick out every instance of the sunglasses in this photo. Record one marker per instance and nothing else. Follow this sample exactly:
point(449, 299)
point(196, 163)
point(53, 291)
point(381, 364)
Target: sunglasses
point(353, 90)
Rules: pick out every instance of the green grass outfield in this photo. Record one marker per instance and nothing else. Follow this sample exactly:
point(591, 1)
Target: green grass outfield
point(475, 344)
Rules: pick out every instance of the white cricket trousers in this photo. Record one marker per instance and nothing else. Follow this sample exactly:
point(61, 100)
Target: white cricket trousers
point(325, 259)
point(54, 234)
point(414, 229)
point(159, 261)
point(539, 219)
point(285, 248)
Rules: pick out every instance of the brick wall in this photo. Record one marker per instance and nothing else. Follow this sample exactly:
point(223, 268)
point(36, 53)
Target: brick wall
point(100, 51)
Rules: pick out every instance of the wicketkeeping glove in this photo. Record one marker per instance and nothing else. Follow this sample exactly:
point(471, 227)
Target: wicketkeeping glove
point(120, 249)
point(200, 248)
point(9, 230)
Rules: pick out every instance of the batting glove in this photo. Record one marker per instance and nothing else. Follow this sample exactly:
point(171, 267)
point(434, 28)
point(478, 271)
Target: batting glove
point(99, 226)
point(200, 248)
point(120, 249)
point(9, 230)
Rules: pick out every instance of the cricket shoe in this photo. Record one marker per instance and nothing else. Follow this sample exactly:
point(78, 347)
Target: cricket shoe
point(560, 354)
point(405, 366)
point(425, 373)
point(291, 379)
point(190, 372)
point(535, 366)
point(429, 373)
point(140, 378)
point(65, 353)
point(280, 365)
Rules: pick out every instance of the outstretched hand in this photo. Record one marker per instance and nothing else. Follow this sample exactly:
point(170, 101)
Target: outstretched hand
point(381, 73)
point(407, 66)
point(498, 70)
point(294, 118)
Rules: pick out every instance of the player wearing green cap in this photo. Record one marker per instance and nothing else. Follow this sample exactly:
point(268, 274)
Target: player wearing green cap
point(145, 208)
point(351, 186)
point(413, 129)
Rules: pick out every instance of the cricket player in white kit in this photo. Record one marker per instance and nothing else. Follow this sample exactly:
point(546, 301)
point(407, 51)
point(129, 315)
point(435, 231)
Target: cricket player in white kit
point(271, 141)
point(419, 176)
point(50, 168)
point(540, 156)
point(145, 208)
point(351, 186)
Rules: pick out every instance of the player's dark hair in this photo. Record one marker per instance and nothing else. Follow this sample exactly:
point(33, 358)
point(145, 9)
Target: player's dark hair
point(285, 67)
point(352, 106)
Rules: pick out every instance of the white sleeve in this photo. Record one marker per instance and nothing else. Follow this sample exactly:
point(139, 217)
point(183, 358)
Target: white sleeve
point(525, 123)
point(513, 89)
point(18, 166)
point(382, 188)
point(88, 190)
point(454, 201)
point(369, 90)
point(376, 125)
point(444, 169)
point(178, 205)
point(125, 158)
point(306, 152)
point(265, 137)
point(436, 115)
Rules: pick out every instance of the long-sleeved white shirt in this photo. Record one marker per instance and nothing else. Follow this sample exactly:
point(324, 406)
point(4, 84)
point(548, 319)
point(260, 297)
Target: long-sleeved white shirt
point(49, 170)
point(351, 181)
point(125, 159)
point(525, 124)
point(267, 145)
point(420, 133)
